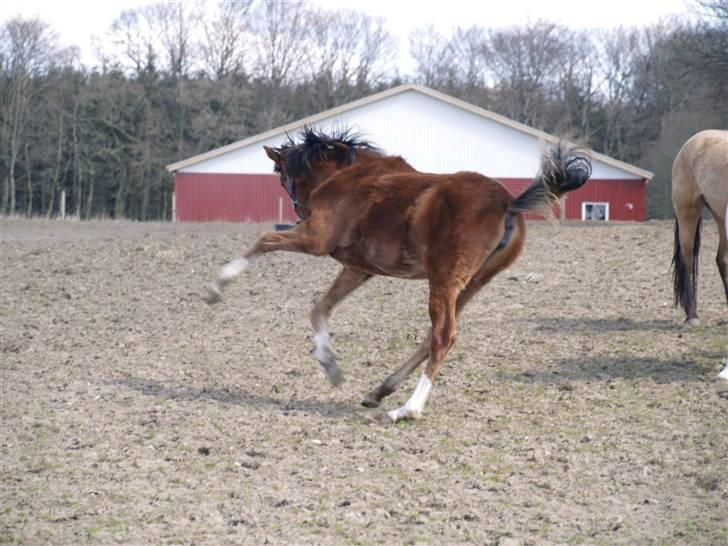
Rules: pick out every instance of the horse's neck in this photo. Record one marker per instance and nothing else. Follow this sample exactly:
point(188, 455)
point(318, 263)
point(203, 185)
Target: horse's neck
point(382, 163)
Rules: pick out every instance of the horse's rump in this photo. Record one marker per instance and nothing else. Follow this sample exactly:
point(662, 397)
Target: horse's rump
point(699, 178)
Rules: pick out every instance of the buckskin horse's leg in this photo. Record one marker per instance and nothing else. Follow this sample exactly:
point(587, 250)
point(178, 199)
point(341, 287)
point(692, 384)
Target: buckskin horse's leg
point(303, 238)
point(348, 280)
point(688, 221)
point(722, 257)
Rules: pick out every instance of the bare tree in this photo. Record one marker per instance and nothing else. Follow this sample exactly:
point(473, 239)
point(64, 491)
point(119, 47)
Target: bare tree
point(434, 63)
point(29, 50)
point(281, 34)
point(176, 22)
point(226, 38)
point(133, 42)
point(717, 9)
point(619, 51)
point(346, 51)
point(469, 51)
point(522, 63)
point(576, 93)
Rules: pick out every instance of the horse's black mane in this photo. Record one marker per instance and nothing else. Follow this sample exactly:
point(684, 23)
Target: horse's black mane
point(316, 145)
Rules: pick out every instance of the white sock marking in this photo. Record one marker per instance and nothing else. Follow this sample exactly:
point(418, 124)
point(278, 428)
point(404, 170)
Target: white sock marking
point(233, 269)
point(724, 373)
point(321, 344)
point(416, 404)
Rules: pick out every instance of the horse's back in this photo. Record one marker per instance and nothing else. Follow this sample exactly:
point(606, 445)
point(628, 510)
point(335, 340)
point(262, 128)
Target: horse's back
point(700, 171)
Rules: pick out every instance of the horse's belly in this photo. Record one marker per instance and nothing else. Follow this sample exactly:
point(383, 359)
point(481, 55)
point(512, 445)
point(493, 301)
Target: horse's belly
point(378, 260)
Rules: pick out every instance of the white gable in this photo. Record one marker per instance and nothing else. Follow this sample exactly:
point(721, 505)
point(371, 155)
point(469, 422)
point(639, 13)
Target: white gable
point(434, 135)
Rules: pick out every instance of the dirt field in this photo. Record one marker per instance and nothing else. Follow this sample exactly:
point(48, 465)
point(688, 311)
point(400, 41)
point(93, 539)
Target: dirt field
point(575, 408)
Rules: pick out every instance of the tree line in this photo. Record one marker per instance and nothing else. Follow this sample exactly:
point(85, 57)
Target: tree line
point(177, 79)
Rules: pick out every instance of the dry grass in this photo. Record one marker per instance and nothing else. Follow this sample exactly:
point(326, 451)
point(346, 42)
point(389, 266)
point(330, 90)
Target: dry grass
point(575, 408)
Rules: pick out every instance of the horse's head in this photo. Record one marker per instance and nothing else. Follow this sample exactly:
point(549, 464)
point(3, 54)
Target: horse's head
point(303, 166)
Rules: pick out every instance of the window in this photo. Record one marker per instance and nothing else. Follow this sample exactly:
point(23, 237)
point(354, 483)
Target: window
point(594, 211)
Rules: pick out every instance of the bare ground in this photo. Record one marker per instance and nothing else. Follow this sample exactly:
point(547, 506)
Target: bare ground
point(575, 407)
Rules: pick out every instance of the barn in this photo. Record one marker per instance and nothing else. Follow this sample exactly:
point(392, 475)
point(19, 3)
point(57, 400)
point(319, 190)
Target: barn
point(433, 131)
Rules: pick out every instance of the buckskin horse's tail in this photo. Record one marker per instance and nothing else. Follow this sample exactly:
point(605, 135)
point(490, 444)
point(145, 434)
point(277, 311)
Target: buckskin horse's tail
point(563, 169)
point(685, 283)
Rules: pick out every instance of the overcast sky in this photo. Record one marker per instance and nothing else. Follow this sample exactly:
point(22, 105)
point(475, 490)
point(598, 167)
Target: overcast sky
point(78, 20)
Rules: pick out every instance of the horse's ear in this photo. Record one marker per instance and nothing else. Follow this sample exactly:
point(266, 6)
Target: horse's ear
point(339, 150)
point(273, 154)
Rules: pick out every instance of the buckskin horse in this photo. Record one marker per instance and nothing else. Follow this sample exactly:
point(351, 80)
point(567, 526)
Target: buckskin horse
point(376, 215)
point(699, 178)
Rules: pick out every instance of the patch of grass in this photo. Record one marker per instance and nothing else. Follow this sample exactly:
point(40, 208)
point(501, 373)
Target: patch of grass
point(419, 539)
point(695, 531)
point(388, 454)
point(92, 533)
point(112, 525)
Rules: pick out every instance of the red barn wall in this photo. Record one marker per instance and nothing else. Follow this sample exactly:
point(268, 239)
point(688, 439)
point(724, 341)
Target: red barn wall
point(620, 194)
point(205, 197)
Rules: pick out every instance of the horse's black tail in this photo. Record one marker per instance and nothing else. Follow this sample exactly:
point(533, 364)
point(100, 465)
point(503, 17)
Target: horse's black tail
point(684, 285)
point(563, 169)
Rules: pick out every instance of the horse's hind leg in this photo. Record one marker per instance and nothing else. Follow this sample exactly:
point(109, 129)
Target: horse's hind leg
point(443, 304)
point(348, 280)
point(497, 262)
point(687, 248)
point(374, 397)
point(392, 382)
point(722, 257)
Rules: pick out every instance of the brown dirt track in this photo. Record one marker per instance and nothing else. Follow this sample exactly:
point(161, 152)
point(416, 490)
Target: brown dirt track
point(575, 408)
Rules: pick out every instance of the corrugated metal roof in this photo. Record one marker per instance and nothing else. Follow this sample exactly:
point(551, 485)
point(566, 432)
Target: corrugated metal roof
point(311, 120)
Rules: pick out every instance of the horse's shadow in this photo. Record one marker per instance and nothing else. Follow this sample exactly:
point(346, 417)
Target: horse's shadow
point(223, 395)
point(600, 368)
point(544, 324)
point(609, 368)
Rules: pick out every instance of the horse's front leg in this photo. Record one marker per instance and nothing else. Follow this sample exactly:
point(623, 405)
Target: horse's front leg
point(300, 239)
point(348, 280)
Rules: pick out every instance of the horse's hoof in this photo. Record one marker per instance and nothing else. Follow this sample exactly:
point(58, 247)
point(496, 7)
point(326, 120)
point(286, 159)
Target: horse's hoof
point(327, 358)
point(370, 401)
point(724, 374)
point(695, 321)
point(334, 375)
point(404, 413)
point(213, 295)
point(328, 361)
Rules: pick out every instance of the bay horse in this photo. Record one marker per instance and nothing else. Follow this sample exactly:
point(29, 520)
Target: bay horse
point(699, 179)
point(376, 215)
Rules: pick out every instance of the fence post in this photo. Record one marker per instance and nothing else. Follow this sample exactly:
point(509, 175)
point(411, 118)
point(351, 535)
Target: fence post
point(174, 207)
point(62, 205)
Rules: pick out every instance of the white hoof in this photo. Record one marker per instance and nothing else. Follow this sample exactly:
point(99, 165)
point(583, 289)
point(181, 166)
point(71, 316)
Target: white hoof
point(326, 357)
point(213, 294)
point(233, 269)
point(403, 413)
point(724, 373)
point(693, 322)
point(414, 406)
